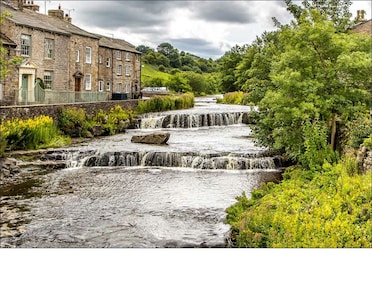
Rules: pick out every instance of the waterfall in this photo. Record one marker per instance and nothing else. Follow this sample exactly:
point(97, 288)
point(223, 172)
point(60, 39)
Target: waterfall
point(193, 120)
point(221, 161)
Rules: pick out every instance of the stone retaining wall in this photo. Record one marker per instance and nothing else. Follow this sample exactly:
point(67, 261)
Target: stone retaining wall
point(53, 110)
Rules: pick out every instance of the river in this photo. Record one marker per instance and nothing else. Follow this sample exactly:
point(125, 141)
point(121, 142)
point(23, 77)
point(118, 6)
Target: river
point(119, 194)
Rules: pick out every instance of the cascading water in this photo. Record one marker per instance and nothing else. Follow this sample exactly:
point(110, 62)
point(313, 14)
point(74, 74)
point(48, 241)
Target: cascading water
point(115, 193)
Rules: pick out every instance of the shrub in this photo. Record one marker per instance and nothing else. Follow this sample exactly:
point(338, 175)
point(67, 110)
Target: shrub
point(73, 122)
point(163, 103)
point(232, 98)
point(368, 143)
point(38, 132)
point(329, 210)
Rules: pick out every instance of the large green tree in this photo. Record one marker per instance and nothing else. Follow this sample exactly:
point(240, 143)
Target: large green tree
point(321, 76)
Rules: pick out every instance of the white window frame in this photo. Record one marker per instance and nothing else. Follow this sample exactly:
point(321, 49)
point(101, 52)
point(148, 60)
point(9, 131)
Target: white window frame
point(118, 55)
point(25, 45)
point(100, 85)
point(127, 70)
point(108, 86)
point(88, 82)
point(88, 55)
point(108, 62)
point(127, 88)
point(118, 88)
point(77, 56)
point(48, 80)
point(100, 59)
point(127, 56)
point(119, 69)
point(49, 48)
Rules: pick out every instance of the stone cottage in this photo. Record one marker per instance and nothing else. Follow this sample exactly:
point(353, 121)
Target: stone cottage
point(62, 58)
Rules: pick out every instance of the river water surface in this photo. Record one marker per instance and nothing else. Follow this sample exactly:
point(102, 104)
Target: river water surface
point(119, 194)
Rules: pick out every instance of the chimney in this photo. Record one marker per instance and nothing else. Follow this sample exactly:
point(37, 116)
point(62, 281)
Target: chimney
point(362, 12)
point(56, 13)
point(68, 18)
point(30, 5)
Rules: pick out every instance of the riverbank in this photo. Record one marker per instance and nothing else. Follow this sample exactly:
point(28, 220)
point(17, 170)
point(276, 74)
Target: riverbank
point(325, 209)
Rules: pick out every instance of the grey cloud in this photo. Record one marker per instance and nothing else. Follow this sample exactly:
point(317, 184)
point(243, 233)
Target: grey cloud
point(224, 11)
point(197, 46)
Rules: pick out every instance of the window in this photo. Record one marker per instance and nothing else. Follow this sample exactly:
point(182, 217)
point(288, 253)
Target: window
point(118, 55)
point(108, 86)
point(127, 56)
point(118, 88)
point(127, 70)
point(127, 88)
point(48, 80)
point(26, 44)
point(88, 55)
point(119, 69)
point(49, 48)
point(108, 62)
point(137, 57)
point(77, 56)
point(88, 82)
point(100, 59)
point(100, 85)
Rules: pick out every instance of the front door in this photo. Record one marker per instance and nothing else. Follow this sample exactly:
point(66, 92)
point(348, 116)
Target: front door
point(24, 87)
point(77, 88)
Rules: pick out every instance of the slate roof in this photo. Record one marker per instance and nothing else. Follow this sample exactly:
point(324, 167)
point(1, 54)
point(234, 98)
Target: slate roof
point(29, 18)
point(117, 44)
point(6, 41)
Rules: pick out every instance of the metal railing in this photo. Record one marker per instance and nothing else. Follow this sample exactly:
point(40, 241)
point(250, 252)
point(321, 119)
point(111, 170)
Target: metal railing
point(40, 96)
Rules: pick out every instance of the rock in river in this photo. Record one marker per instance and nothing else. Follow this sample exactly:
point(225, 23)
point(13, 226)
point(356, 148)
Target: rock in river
point(158, 138)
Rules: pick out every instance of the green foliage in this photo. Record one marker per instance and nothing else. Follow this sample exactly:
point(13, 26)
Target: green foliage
point(317, 151)
point(38, 132)
point(319, 75)
point(163, 103)
point(368, 143)
point(359, 129)
point(227, 66)
point(328, 209)
point(178, 83)
point(112, 121)
point(73, 122)
point(232, 98)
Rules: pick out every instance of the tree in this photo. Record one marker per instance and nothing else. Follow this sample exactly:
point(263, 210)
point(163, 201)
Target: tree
point(144, 49)
point(174, 58)
point(337, 11)
point(178, 83)
point(253, 72)
point(320, 77)
point(228, 63)
point(165, 48)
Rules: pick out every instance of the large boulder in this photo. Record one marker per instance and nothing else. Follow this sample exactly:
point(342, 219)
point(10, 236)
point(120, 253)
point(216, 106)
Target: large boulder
point(157, 138)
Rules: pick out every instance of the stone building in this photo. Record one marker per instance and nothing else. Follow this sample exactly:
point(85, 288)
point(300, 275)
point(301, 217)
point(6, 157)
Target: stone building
point(62, 57)
point(363, 26)
point(119, 68)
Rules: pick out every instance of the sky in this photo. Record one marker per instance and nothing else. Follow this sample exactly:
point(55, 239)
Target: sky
point(205, 28)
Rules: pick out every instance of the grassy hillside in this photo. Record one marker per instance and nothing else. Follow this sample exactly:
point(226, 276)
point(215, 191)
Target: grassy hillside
point(150, 72)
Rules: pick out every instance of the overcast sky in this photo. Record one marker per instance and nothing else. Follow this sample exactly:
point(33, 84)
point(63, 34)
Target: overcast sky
point(204, 28)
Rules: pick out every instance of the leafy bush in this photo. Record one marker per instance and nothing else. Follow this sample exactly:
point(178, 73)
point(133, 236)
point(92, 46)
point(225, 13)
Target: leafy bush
point(359, 129)
point(232, 98)
point(111, 121)
point(317, 151)
point(330, 209)
point(163, 103)
point(73, 122)
point(368, 143)
point(35, 133)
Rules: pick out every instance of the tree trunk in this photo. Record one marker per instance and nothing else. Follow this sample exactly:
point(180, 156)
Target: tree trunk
point(333, 132)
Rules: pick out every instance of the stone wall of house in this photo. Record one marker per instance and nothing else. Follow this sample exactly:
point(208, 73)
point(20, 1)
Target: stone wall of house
point(80, 43)
point(105, 73)
point(53, 110)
